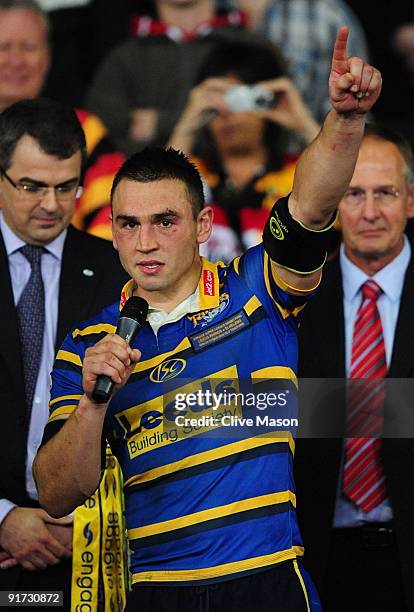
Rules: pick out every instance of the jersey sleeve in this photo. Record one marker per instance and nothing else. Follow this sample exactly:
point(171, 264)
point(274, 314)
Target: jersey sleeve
point(66, 390)
point(260, 274)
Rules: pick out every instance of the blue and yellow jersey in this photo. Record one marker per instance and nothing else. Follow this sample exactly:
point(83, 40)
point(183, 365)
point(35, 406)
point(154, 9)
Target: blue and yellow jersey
point(202, 504)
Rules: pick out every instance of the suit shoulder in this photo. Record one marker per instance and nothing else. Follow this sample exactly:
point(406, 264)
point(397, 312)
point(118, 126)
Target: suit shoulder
point(331, 279)
point(88, 250)
point(330, 288)
point(90, 242)
point(90, 246)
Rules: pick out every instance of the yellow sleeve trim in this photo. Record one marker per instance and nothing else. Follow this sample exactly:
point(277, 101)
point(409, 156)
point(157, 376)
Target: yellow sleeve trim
point(94, 329)
point(71, 357)
point(62, 398)
point(286, 287)
point(283, 311)
point(67, 409)
point(63, 412)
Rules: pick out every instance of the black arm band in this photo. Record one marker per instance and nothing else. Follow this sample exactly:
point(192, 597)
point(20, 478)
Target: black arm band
point(293, 246)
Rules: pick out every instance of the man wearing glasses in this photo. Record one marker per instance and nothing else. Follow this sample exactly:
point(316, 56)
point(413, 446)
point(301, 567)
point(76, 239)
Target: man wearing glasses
point(359, 537)
point(51, 275)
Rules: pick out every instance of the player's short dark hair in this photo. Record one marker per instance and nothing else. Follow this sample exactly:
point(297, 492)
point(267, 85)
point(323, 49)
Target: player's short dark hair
point(382, 132)
point(53, 125)
point(155, 164)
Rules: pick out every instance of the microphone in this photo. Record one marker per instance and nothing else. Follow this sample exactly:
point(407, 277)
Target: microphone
point(133, 316)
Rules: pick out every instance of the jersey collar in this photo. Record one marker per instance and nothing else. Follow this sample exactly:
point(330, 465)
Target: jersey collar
point(208, 286)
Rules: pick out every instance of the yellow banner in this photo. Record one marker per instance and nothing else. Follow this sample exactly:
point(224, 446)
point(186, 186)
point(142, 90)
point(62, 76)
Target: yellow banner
point(113, 537)
point(99, 579)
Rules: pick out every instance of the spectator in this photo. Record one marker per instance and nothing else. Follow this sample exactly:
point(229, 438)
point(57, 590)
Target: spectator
point(142, 85)
point(24, 62)
point(359, 536)
point(304, 30)
point(241, 155)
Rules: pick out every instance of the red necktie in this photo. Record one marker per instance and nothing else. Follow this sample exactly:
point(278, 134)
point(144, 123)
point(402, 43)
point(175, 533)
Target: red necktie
point(363, 474)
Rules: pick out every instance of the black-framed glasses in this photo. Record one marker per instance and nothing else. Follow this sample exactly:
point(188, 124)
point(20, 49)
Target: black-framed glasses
point(33, 191)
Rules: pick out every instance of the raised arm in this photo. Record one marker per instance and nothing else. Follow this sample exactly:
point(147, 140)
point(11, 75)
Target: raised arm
point(325, 168)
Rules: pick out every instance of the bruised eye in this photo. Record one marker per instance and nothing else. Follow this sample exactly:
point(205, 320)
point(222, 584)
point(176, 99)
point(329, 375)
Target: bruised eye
point(166, 223)
point(129, 224)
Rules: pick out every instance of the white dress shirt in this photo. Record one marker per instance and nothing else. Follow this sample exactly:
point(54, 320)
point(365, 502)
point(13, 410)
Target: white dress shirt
point(391, 280)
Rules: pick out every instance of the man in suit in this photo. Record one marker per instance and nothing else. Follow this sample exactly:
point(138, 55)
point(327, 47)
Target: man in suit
point(42, 150)
point(360, 549)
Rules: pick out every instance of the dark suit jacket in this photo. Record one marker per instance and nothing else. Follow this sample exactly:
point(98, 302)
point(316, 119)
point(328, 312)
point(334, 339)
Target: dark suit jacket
point(80, 296)
point(318, 461)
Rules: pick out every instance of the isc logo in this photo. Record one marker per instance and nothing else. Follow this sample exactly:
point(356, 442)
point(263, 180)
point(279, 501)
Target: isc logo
point(167, 370)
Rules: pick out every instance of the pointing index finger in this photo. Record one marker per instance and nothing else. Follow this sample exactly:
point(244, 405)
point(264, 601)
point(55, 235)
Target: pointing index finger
point(339, 59)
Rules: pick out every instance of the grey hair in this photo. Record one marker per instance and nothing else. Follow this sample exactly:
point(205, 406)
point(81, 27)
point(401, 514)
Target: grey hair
point(384, 133)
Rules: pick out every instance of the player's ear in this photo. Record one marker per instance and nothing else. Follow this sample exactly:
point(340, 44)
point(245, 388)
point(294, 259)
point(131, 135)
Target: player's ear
point(204, 224)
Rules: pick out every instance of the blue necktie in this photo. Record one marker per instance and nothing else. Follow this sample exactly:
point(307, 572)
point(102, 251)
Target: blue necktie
point(31, 318)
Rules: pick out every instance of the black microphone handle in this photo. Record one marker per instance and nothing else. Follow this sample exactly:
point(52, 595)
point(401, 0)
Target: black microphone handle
point(127, 329)
point(103, 389)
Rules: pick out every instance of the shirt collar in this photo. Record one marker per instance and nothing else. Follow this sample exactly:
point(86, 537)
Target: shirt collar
point(205, 296)
point(13, 243)
point(390, 278)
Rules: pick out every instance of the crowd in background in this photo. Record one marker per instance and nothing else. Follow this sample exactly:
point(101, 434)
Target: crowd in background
point(133, 66)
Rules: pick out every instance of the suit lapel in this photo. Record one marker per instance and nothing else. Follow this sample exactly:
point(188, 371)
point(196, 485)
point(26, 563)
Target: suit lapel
point(402, 359)
point(329, 321)
point(78, 283)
